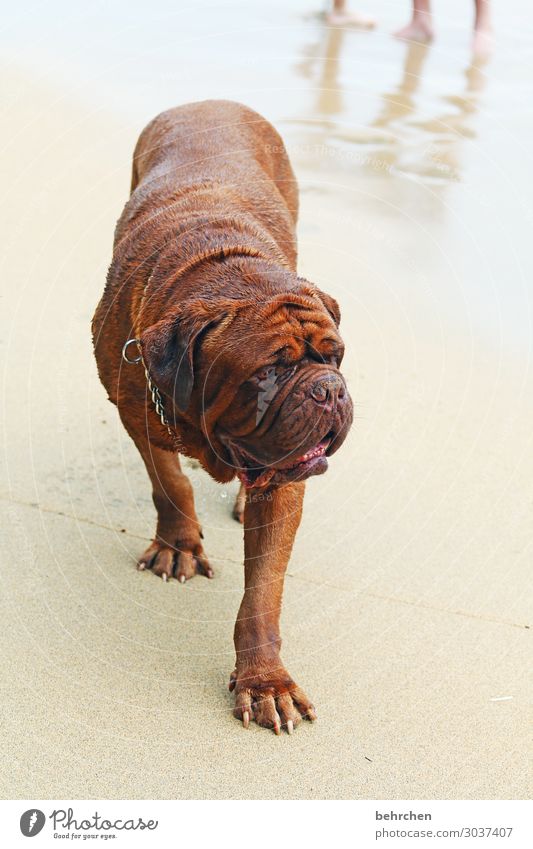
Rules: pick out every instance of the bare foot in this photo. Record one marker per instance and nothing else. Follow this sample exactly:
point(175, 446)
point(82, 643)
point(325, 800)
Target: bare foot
point(419, 30)
point(349, 19)
point(167, 561)
point(483, 43)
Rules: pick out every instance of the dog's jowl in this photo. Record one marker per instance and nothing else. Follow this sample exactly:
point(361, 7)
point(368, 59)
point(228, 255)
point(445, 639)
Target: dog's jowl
point(211, 346)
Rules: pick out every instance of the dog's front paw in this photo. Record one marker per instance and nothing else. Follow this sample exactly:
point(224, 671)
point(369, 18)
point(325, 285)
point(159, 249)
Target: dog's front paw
point(167, 561)
point(271, 698)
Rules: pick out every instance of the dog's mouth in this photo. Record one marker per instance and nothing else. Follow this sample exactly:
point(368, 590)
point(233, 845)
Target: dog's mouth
point(254, 475)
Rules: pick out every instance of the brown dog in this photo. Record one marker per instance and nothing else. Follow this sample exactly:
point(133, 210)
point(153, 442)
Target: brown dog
point(240, 361)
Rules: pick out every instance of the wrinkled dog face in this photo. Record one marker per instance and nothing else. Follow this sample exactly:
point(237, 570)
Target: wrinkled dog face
point(262, 382)
point(294, 411)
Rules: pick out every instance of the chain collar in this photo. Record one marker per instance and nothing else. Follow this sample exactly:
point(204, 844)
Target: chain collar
point(157, 398)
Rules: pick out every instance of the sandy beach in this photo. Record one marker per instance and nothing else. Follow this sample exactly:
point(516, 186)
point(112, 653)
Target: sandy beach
point(408, 604)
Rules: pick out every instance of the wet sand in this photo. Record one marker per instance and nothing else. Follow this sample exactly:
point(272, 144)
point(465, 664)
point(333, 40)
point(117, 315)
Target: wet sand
point(408, 600)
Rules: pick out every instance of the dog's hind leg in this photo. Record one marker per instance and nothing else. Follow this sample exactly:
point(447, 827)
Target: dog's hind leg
point(240, 504)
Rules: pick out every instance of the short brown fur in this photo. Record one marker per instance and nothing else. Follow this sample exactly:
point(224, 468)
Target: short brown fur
point(204, 275)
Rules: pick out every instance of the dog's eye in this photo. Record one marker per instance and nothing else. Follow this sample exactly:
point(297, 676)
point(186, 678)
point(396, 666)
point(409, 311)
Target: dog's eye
point(328, 351)
point(332, 352)
point(267, 374)
point(335, 359)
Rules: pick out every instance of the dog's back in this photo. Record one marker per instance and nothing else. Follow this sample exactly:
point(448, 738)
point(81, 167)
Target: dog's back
point(214, 147)
point(207, 173)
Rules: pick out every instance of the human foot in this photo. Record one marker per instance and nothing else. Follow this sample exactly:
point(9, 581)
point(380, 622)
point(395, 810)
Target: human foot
point(483, 42)
point(419, 30)
point(349, 19)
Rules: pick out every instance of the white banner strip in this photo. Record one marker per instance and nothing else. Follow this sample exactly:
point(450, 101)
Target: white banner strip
point(272, 824)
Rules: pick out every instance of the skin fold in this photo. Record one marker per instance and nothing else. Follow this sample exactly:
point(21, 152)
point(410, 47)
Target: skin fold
point(244, 352)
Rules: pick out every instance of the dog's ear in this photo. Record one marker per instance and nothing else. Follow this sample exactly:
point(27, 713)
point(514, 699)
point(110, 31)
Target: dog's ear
point(330, 304)
point(169, 349)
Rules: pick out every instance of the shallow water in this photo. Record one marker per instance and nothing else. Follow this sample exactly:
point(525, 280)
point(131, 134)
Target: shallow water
point(413, 160)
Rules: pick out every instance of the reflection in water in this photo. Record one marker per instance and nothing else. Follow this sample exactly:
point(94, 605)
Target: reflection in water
point(401, 103)
point(448, 129)
point(326, 59)
point(441, 156)
point(330, 91)
point(402, 136)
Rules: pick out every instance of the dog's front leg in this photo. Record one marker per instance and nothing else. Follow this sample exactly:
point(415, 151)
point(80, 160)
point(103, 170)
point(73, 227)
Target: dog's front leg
point(263, 688)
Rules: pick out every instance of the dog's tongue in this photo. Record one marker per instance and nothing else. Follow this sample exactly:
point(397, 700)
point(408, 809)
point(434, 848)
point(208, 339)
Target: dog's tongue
point(267, 474)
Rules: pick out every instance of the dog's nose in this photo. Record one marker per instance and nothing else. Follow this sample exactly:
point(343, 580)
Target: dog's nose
point(328, 390)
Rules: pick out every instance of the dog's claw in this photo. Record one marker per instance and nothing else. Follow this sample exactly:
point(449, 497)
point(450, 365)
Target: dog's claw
point(168, 561)
point(280, 709)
